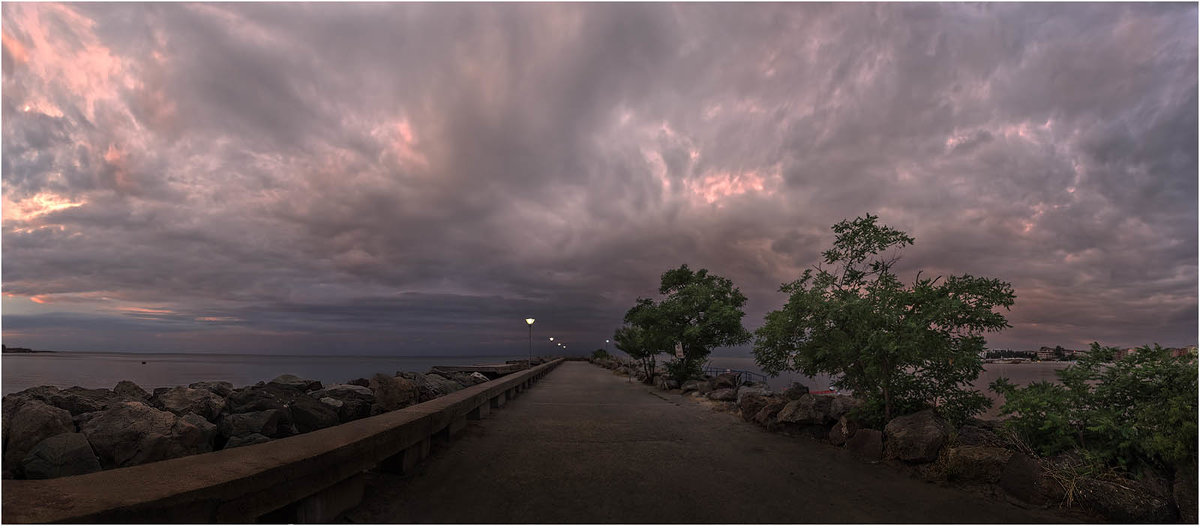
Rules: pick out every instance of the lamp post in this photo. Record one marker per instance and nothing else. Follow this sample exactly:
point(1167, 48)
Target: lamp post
point(530, 322)
point(605, 346)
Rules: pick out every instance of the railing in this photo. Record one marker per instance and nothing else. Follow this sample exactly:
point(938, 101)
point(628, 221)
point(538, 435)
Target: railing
point(305, 478)
point(742, 375)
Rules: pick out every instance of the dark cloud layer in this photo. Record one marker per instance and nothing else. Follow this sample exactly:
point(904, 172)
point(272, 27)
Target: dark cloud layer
point(418, 178)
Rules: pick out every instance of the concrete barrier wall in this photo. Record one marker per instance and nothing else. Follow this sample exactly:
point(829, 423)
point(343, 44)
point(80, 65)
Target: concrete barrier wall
point(304, 478)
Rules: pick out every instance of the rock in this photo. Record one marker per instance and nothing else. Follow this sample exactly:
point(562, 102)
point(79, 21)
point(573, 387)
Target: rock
point(251, 439)
point(61, 455)
point(723, 395)
point(750, 404)
point(704, 387)
point(661, 383)
point(221, 389)
point(361, 382)
point(672, 384)
point(917, 437)
point(33, 422)
point(463, 379)
point(843, 404)
point(439, 385)
point(842, 430)
point(132, 433)
point(78, 400)
point(690, 385)
point(726, 381)
point(295, 382)
point(1025, 479)
point(1184, 492)
point(795, 391)
point(354, 402)
point(808, 409)
point(982, 464)
point(130, 390)
point(332, 402)
point(866, 443)
point(392, 393)
point(480, 378)
point(309, 414)
point(970, 435)
point(256, 422)
point(1122, 501)
point(252, 399)
point(766, 416)
point(184, 400)
point(760, 390)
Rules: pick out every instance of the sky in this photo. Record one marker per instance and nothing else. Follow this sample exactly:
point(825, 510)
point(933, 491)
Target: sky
point(417, 179)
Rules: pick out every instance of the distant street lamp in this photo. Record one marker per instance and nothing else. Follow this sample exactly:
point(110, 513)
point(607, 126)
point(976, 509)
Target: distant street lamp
point(605, 346)
point(530, 322)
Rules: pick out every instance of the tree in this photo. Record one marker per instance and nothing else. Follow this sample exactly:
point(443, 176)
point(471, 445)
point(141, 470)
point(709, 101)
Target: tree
point(1133, 410)
point(900, 348)
point(639, 343)
point(700, 311)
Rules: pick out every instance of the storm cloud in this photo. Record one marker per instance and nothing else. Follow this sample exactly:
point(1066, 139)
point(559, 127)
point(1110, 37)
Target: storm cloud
point(418, 178)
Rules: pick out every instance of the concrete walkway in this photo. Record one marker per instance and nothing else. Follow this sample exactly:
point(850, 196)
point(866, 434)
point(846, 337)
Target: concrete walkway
point(586, 446)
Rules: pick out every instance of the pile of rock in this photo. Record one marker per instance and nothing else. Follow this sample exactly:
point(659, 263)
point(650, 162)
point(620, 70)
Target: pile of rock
point(50, 432)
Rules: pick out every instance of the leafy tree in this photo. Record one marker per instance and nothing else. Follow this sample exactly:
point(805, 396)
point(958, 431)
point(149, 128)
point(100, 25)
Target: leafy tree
point(1137, 409)
point(600, 354)
point(640, 338)
point(900, 348)
point(699, 311)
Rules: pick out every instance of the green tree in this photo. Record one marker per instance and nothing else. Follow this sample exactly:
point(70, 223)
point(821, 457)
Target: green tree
point(699, 311)
point(1131, 410)
point(641, 344)
point(900, 348)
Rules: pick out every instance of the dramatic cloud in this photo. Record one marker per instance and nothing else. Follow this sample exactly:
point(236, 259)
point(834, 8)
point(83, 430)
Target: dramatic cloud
point(418, 178)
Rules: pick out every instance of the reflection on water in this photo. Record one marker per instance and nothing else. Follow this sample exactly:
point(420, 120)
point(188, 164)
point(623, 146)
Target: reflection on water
point(95, 370)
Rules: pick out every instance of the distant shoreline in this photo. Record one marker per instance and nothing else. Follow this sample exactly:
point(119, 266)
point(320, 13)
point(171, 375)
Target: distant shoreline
point(21, 350)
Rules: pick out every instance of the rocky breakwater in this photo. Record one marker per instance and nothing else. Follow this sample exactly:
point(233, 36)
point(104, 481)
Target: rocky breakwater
point(50, 432)
point(979, 455)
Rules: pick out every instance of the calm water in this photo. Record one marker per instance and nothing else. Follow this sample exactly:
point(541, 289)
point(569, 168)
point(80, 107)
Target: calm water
point(93, 370)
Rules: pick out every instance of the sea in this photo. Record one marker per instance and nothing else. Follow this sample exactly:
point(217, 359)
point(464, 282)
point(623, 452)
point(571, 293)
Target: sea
point(20, 371)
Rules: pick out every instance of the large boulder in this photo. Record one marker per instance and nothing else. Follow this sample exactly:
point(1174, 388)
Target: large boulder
point(1025, 479)
point(916, 438)
point(842, 430)
point(296, 382)
point(439, 385)
point(795, 391)
point(32, 422)
point(392, 393)
point(61, 455)
point(130, 391)
point(251, 399)
point(309, 414)
point(723, 395)
point(766, 416)
point(79, 400)
point(266, 423)
point(726, 381)
point(479, 378)
point(184, 400)
point(690, 385)
point(248, 440)
point(759, 390)
point(842, 404)
point(132, 433)
point(425, 390)
point(808, 409)
point(353, 402)
point(221, 389)
point(866, 443)
point(971, 435)
point(983, 464)
point(751, 404)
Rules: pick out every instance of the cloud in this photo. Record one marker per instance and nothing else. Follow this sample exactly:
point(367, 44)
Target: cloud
point(386, 178)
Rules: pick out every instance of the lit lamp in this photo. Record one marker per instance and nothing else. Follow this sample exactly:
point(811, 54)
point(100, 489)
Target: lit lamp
point(530, 322)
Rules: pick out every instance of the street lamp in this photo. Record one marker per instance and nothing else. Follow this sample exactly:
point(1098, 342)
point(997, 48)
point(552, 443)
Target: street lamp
point(530, 322)
point(605, 346)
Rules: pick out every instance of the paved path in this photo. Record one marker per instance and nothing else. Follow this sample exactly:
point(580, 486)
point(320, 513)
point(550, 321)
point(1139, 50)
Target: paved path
point(584, 445)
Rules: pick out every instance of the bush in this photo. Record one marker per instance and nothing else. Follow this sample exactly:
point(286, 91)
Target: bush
point(1133, 411)
point(684, 370)
point(600, 354)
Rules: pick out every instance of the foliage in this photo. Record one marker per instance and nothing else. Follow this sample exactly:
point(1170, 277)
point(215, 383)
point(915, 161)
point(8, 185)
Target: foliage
point(600, 354)
point(901, 348)
point(699, 311)
point(686, 369)
point(640, 344)
point(1137, 409)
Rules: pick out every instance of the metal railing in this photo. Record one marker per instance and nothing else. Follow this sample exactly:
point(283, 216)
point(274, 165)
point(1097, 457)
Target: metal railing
point(743, 376)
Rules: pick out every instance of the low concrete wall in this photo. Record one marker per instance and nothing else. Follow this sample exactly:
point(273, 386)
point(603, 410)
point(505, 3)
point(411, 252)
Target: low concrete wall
point(304, 478)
